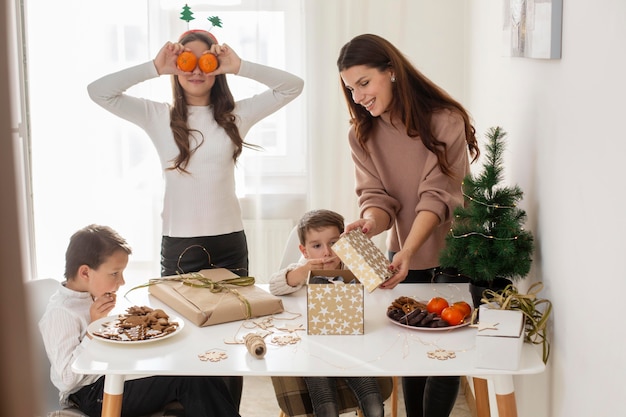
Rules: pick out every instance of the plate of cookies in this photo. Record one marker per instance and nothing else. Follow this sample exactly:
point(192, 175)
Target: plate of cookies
point(414, 314)
point(138, 325)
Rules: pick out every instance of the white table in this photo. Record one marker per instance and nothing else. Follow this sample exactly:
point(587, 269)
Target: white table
point(384, 350)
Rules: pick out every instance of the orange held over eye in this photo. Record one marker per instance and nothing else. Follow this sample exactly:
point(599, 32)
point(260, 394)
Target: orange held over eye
point(436, 305)
point(187, 61)
point(452, 315)
point(208, 63)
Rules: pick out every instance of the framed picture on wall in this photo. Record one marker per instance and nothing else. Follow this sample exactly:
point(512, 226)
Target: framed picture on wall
point(532, 28)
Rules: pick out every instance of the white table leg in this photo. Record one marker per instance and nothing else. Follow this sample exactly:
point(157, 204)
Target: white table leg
point(113, 392)
point(505, 395)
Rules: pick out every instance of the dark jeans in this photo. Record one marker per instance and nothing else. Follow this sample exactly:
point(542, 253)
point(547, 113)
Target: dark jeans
point(199, 395)
point(431, 396)
point(180, 255)
point(323, 393)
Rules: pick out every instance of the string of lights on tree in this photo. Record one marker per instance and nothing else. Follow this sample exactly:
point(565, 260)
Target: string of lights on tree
point(487, 238)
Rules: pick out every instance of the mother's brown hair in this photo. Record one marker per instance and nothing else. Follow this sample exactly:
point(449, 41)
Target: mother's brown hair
point(415, 98)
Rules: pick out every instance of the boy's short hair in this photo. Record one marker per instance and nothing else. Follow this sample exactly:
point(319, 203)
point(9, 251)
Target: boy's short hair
point(91, 246)
point(317, 219)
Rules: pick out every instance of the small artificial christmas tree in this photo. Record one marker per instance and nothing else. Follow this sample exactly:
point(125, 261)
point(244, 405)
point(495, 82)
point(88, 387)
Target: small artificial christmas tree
point(487, 239)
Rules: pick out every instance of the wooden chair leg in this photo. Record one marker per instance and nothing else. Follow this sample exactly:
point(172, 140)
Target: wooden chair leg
point(394, 398)
point(282, 414)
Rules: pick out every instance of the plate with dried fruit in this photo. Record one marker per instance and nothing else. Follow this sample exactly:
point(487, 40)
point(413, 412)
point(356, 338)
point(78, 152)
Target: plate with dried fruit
point(435, 315)
point(137, 325)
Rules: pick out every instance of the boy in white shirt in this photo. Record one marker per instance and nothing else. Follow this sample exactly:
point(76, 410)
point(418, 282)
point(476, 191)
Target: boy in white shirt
point(94, 268)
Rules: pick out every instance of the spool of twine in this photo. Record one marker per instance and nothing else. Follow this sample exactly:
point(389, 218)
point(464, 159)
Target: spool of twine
point(255, 345)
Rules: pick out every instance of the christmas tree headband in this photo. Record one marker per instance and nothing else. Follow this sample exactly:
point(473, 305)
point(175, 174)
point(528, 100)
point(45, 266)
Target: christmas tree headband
point(202, 31)
point(187, 16)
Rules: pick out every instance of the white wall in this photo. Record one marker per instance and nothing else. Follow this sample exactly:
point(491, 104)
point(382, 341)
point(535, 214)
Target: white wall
point(567, 147)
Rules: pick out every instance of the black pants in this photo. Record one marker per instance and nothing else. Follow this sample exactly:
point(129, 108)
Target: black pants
point(183, 255)
point(199, 395)
point(180, 255)
point(430, 396)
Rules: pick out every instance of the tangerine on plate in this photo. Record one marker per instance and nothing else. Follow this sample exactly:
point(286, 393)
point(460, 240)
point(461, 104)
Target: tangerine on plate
point(187, 61)
point(208, 62)
point(436, 305)
point(464, 307)
point(453, 315)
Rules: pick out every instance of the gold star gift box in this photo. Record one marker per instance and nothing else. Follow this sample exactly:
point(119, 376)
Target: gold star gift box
point(335, 307)
point(363, 258)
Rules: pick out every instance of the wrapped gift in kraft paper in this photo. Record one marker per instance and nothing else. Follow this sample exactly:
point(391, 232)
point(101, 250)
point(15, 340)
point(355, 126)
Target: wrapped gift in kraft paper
point(214, 296)
point(334, 307)
point(363, 258)
point(499, 338)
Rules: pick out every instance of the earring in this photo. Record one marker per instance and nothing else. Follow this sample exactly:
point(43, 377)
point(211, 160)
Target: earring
point(393, 78)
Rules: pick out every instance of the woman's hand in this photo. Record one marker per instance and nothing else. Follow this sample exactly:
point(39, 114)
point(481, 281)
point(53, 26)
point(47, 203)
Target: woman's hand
point(165, 61)
point(400, 267)
point(230, 63)
point(366, 225)
point(102, 306)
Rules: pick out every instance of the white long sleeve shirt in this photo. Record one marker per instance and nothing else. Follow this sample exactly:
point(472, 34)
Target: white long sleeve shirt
point(203, 201)
point(63, 327)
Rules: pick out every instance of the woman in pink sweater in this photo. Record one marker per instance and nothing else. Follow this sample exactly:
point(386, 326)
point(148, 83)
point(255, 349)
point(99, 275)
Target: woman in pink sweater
point(411, 143)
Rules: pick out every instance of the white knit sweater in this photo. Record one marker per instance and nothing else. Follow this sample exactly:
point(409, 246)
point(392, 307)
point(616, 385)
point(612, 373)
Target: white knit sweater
point(63, 327)
point(202, 202)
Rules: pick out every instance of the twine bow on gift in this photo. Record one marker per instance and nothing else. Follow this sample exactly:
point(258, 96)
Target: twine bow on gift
point(535, 319)
point(197, 280)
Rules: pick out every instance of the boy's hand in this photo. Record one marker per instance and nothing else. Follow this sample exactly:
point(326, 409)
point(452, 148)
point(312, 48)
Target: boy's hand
point(102, 306)
point(322, 263)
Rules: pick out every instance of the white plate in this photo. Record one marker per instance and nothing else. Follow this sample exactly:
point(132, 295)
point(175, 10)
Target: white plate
point(429, 329)
point(107, 324)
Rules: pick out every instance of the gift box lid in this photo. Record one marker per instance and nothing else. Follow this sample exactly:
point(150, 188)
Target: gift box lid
point(500, 323)
point(359, 253)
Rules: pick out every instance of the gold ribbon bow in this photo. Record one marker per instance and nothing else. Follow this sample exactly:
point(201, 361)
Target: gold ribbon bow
point(197, 280)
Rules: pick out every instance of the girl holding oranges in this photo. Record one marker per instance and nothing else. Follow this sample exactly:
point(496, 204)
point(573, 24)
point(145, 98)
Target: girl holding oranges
point(198, 138)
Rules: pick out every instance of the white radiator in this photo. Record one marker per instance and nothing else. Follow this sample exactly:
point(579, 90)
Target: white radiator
point(266, 243)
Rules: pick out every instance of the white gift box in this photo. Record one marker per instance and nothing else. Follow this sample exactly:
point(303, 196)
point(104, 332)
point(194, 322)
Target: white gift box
point(499, 338)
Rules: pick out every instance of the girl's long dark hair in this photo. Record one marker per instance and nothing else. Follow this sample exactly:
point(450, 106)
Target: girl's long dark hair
point(223, 105)
point(415, 97)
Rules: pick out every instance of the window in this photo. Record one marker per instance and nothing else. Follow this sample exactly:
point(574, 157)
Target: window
point(89, 166)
